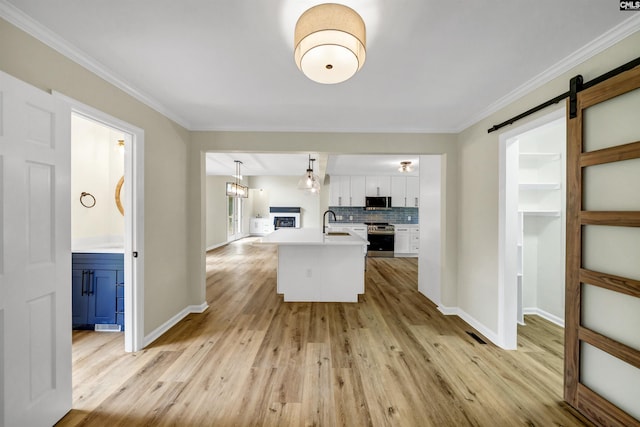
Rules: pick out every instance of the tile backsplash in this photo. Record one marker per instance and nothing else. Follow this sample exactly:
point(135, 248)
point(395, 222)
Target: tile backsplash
point(360, 215)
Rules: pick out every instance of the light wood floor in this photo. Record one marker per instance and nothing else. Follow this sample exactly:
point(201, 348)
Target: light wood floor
point(250, 359)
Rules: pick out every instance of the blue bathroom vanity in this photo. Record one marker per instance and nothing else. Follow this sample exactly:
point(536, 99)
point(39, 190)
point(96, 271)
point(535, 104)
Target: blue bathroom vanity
point(97, 290)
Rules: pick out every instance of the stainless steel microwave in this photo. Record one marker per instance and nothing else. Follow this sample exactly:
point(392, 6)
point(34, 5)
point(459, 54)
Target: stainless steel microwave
point(373, 203)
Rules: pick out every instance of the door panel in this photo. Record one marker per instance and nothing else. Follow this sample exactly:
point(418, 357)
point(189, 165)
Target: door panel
point(602, 348)
point(35, 261)
point(613, 314)
point(607, 124)
point(598, 181)
point(102, 298)
point(612, 250)
point(610, 377)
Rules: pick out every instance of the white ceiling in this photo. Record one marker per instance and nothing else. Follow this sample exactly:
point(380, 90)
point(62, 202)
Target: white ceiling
point(432, 65)
point(255, 164)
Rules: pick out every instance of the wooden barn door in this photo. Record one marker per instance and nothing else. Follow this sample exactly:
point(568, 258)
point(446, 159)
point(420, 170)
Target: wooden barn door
point(602, 333)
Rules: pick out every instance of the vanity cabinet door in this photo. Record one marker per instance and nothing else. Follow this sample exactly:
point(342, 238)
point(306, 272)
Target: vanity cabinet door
point(79, 301)
point(102, 297)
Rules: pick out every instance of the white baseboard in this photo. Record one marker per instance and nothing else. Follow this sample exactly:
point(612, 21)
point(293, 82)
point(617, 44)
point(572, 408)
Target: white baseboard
point(219, 245)
point(488, 333)
point(545, 315)
point(159, 331)
point(448, 311)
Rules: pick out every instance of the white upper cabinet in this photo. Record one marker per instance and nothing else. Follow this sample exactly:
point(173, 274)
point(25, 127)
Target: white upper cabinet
point(398, 191)
point(413, 192)
point(357, 190)
point(346, 191)
point(339, 191)
point(405, 191)
point(378, 186)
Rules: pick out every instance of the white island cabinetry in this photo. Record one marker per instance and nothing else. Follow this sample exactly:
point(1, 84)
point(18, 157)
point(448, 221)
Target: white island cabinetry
point(319, 267)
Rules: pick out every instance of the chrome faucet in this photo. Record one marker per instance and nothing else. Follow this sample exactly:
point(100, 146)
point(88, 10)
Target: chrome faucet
point(324, 218)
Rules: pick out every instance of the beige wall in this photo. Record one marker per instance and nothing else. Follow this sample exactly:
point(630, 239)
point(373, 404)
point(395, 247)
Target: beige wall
point(165, 173)
point(216, 211)
point(478, 183)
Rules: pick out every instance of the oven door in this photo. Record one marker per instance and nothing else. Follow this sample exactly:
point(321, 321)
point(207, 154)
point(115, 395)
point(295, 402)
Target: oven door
point(380, 244)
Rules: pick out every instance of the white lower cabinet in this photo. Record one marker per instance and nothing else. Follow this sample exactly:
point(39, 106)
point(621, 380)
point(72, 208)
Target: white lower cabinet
point(260, 226)
point(407, 241)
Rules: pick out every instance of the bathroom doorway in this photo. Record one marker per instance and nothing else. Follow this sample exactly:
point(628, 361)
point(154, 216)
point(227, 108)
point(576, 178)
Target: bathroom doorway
point(117, 226)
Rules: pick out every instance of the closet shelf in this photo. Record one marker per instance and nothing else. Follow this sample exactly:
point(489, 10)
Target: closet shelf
point(540, 156)
point(540, 213)
point(539, 186)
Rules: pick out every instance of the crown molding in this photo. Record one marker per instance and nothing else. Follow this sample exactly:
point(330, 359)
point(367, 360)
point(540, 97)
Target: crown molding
point(606, 40)
point(27, 24)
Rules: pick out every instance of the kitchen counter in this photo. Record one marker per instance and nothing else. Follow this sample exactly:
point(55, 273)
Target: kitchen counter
point(310, 236)
point(317, 267)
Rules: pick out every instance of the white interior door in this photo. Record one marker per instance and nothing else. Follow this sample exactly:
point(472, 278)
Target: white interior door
point(35, 257)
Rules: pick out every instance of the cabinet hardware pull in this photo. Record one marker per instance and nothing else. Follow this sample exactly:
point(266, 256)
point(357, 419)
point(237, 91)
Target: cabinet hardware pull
point(91, 284)
point(84, 273)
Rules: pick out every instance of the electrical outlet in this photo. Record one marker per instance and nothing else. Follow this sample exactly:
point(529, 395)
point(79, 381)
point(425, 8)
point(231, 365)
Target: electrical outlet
point(309, 272)
point(350, 217)
point(409, 218)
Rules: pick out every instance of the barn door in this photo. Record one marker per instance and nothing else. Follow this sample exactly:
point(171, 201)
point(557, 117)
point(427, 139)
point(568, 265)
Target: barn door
point(35, 256)
point(602, 339)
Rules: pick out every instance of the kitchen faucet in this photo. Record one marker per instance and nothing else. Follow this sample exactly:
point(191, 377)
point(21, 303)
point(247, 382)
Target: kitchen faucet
point(324, 218)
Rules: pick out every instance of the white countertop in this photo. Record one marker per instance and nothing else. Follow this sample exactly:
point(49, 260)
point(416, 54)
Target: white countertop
point(310, 236)
point(109, 249)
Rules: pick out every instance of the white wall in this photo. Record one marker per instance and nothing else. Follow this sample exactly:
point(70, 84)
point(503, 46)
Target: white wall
point(283, 191)
point(96, 167)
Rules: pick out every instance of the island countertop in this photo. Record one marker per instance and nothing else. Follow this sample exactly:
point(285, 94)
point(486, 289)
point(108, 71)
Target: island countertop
point(311, 236)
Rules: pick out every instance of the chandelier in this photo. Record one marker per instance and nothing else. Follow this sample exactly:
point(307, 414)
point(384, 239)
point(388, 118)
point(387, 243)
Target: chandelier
point(235, 189)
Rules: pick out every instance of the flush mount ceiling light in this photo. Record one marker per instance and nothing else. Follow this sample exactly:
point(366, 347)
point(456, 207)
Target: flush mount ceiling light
point(405, 167)
point(310, 182)
point(329, 42)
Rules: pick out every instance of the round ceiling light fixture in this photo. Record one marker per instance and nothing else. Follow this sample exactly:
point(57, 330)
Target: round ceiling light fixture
point(330, 43)
point(405, 167)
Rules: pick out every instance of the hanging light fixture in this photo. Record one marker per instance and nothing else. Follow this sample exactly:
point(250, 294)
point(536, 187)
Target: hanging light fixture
point(329, 42)
point(405, 167)
point(309, 182)
point(235, 189)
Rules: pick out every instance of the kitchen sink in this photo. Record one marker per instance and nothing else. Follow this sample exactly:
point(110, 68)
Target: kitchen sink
point(338, 233)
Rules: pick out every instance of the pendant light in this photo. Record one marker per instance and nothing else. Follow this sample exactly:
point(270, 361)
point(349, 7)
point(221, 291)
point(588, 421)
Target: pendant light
point(235, 189)
point(309, 182)
point(329, 41)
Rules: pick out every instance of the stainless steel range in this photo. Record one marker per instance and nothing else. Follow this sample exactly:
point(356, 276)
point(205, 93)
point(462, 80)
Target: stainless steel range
point(381, 236)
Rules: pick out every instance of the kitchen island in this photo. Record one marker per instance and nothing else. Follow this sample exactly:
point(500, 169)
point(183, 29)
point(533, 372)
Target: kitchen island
point(313, 266)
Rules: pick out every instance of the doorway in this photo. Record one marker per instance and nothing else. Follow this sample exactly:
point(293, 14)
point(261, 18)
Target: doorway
point(132, 203)
point(234, 218)
point(532, 224)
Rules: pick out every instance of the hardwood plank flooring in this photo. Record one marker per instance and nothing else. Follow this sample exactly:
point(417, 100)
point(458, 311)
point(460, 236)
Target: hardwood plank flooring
point(253, 360)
